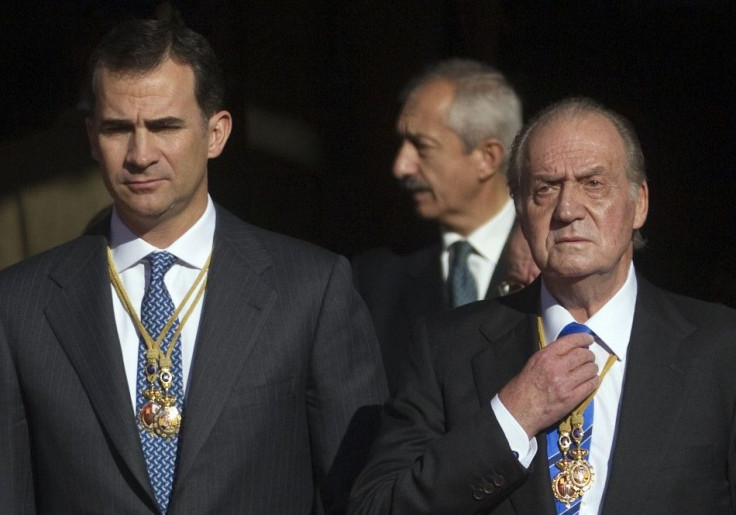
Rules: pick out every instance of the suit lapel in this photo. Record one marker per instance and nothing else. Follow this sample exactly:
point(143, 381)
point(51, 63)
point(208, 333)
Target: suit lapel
point(652, 388)
point(81, 316)
point(513, 339)
point(237, 302)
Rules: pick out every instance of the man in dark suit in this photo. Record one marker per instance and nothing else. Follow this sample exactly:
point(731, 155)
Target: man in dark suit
point(456, 125)
point(178, 360)
point(492, 419)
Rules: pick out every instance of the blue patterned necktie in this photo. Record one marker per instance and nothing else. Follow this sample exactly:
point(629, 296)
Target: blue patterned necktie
point(461, 282)
point(156, 309)
point(553, 449)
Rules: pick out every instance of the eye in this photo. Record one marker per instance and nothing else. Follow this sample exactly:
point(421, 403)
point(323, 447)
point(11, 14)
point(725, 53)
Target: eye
point(165, 128)
point(594, 184)
point(543, 189)
point(421, 149)
point(114, 129)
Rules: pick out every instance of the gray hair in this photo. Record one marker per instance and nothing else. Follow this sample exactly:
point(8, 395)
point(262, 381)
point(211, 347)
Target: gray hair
point(576, 107)
point(484, 105)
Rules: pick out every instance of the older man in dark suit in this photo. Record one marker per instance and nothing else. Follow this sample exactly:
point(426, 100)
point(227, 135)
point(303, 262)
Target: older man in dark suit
point(178, 360)
point(591, 391)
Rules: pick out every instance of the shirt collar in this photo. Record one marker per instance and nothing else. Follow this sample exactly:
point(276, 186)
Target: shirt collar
point(611, 324)
point(489, 239)
point(191, 249)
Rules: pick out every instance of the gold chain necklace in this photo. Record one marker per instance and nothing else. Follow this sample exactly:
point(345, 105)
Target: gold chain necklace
point(160, 415)
point(576, 474)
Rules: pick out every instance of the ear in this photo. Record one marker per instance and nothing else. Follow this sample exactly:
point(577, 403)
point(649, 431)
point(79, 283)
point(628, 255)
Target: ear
point(490, 155)
point(641, 205)
point(219, 127)
point(94, 144)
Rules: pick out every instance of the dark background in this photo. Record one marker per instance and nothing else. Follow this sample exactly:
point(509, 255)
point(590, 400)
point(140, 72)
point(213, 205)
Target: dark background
point(313, 87)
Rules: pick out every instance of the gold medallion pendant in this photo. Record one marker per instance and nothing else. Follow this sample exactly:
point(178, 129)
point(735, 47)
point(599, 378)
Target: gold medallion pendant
point(562, 487)
point(160, 415)
point(576, 475)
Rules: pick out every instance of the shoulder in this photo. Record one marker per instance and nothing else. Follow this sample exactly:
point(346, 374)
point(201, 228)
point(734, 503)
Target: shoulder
point(485, 321)
point(37, 276)
point(261, 249)
point(700, 314)
point(80, 249)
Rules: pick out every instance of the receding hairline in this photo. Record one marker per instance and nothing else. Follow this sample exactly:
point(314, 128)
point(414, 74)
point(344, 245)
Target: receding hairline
point(574, 116)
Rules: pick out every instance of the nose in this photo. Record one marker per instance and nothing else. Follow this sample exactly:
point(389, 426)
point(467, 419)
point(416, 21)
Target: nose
point(569, 204)
point(141, 151)
point(405, 164)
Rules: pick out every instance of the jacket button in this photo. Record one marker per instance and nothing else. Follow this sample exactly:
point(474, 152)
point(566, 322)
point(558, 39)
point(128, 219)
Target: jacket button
point(498, 480)
point(488, 488)
point(477, 493)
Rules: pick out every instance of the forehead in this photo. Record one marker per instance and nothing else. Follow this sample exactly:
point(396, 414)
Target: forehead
point(576, 141)
point(168, 84)
point(427, 105)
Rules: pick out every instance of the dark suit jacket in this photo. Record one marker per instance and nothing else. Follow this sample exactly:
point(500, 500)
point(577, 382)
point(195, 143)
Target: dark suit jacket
point(401, 288)
point(441, 450)
point(285, 358)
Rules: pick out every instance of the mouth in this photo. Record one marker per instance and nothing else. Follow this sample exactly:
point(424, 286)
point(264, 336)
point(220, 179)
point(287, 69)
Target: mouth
point(571, 239)
point(143, 185)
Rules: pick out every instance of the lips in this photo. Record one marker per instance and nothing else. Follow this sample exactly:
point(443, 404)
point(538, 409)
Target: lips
point(143, 185)
point(571, 239)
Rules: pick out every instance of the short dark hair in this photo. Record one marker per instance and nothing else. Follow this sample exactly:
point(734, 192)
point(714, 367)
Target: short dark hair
point(140, 46)
point(575, 107)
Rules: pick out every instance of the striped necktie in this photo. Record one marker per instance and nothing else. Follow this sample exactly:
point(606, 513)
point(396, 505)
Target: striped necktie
point(553, 449)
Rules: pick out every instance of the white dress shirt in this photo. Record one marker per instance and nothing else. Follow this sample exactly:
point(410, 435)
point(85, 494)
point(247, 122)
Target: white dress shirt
point(488, 242)
point(191, 250)
point(612, 328)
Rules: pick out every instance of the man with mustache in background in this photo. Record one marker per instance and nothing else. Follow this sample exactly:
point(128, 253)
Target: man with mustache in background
point(456, 126)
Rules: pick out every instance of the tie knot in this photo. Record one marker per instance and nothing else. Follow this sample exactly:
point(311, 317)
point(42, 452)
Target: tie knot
point(573, 328)
point(461, 249)
point(161, 262)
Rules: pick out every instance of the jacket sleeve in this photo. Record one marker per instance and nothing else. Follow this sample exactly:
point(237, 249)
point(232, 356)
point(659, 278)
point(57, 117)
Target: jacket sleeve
point(346, 388)
point(417, 465)
point(16, 477)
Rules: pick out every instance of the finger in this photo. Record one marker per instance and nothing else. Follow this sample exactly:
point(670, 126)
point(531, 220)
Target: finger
point(582, 390)
point(578, 357)
point(566, 343)
point(582, 374)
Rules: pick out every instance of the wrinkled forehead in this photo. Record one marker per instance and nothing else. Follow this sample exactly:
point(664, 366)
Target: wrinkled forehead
point(582, 138)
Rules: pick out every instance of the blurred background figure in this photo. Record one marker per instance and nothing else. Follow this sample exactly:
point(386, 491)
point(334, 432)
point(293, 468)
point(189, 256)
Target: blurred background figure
point(456, 125)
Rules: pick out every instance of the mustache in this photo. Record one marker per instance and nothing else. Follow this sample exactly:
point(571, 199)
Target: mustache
point(412, 184)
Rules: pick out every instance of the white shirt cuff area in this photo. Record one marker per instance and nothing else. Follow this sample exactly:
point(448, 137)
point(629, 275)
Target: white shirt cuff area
point(524, 447)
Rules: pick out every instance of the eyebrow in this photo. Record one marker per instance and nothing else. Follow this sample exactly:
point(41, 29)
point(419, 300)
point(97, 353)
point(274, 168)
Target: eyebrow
point(547, 177)
point(417, 138)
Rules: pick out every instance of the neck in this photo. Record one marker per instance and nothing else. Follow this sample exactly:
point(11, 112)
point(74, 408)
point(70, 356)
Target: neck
point(487, 207)
point(584, 297)
point(162, 230)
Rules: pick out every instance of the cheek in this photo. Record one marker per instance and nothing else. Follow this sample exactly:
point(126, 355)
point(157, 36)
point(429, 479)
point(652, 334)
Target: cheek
point(615, 222)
